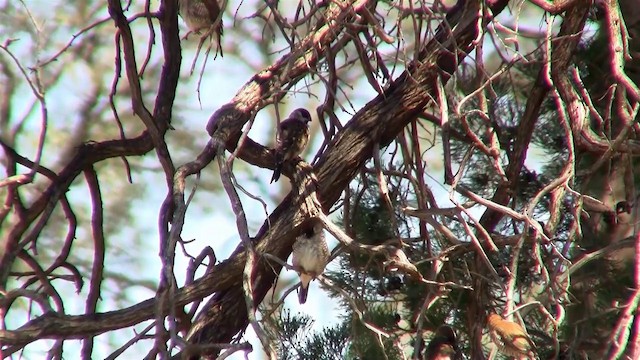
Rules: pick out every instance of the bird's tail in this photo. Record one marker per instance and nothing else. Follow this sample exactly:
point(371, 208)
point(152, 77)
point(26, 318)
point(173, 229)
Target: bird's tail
point(305, 279)
point(302, 294)
point(276, 173)
point(278, 168)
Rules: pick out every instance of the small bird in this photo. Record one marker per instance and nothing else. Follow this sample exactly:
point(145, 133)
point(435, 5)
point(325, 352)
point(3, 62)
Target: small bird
point(398, 261)
point(201, 15)
point(310, 256)
point(623, 212)
point(619, 222)
point(293, 138)
point(510, 337)
point(618, 232)
point(443, 346)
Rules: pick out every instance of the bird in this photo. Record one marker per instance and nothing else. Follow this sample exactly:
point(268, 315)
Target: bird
point(398, 261)
point(619, 223)
point(201, 15)
point(510, 338)
point(293, 138)
point(310, 256)
point(624, 212)
point(443, 346)
point(619, 232)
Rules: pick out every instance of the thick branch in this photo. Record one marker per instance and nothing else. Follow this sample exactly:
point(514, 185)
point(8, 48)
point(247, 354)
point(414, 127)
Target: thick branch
point(380, 121)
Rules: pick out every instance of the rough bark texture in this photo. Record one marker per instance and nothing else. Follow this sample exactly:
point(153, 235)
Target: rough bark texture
point(379, 122)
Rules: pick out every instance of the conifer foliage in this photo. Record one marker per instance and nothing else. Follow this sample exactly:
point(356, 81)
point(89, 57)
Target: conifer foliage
point(462, 158)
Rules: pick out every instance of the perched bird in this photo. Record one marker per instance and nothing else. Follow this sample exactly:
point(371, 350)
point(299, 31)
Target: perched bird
point(398, 261)
point(443, 346)
point(293, 138)
point(310, 256)
point(201, 15)
point(621, 216)
point(623, 212)
point(510, 338)
point(619, 232)
point(619, 223)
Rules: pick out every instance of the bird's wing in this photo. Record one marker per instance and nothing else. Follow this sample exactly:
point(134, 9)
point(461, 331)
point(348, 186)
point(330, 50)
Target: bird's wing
point(523, 342)
point(293, 133)
point(213, 8)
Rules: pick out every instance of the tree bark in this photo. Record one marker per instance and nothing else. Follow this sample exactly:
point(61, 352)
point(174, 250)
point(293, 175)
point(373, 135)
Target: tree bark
point(379, 122)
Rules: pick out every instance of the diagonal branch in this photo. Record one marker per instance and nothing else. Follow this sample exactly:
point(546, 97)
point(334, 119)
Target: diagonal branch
point(379, 122)
point(563, 48)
